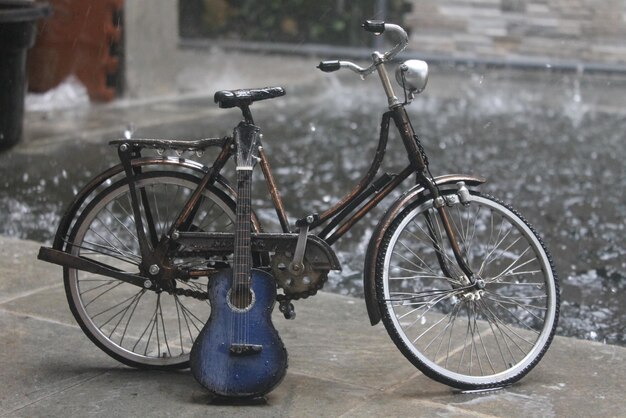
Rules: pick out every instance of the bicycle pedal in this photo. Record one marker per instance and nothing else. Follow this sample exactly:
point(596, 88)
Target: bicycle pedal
point(287, 309)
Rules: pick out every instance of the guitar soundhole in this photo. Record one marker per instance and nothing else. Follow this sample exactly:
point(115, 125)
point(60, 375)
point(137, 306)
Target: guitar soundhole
point(240, 299)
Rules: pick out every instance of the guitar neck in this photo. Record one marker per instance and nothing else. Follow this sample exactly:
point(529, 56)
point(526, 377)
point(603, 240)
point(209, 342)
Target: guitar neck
point(242, 258)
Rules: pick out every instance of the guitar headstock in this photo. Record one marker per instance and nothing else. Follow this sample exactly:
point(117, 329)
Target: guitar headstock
point(247, 139)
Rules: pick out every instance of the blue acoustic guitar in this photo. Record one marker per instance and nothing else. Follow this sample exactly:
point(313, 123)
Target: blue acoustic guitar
point(239, 354)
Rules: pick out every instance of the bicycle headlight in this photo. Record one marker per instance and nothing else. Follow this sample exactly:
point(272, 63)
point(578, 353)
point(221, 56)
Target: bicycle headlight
point(412, 75)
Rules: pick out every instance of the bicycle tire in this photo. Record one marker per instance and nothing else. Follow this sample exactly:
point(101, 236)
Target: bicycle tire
point(510, 322)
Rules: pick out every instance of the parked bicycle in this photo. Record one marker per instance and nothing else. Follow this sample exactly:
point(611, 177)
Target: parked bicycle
point(463, 284)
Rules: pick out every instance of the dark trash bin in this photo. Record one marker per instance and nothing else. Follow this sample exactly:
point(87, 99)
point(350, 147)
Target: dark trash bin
point(18, 24)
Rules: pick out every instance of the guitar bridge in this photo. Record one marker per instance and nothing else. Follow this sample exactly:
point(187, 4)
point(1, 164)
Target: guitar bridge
point(245, 349)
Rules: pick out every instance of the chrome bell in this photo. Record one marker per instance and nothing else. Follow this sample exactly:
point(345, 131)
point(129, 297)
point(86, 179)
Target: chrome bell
point(412, 75)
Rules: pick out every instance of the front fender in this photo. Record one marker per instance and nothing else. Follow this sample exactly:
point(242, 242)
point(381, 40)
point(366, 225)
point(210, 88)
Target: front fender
point(411, 195)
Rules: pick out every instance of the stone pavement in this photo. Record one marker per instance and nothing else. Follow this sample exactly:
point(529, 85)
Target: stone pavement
point(338, 366)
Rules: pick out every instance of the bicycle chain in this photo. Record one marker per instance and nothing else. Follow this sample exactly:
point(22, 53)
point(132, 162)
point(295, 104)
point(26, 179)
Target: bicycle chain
point(196, 294)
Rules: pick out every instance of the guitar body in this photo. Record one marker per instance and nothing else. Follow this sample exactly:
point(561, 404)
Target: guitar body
point(238, 353)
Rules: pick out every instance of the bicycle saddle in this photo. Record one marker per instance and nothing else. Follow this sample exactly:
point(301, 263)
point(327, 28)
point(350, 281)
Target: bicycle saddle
point(245, 97)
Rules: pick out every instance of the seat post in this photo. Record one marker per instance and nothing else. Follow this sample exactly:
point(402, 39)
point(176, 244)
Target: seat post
point(247, 115)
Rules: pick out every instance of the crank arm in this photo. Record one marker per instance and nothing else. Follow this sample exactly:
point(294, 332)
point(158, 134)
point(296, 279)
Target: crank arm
point(298, 255)
point(64, 259)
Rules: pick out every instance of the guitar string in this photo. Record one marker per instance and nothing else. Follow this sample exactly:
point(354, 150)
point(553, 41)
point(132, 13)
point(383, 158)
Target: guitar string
point(242, 264)
point(248, 242)
point(234, 271)
point(243, 251)
point(242, 259)
point(247, 253)
point(238, 261)
point(248, 248)
point(238, 284)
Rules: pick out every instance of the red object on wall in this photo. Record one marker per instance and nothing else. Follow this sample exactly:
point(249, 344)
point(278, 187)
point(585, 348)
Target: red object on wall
point(76, 39)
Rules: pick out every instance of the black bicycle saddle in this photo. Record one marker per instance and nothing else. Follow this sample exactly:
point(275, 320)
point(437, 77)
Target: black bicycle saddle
point(245, 97)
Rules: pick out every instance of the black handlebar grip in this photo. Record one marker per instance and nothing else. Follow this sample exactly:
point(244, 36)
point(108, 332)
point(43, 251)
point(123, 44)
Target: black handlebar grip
point(329, 66)
point(376, 26)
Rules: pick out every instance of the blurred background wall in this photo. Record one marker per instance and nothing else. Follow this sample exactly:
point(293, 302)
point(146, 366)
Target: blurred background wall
point(573, 30)
point(166, 42)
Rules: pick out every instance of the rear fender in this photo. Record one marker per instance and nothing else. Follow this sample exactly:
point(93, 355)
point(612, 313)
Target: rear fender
point(115, 172)
point(410, 196)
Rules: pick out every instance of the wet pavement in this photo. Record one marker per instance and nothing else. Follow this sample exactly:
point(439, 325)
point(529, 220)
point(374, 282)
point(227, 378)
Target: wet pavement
point(338, 366)
point(551, 144)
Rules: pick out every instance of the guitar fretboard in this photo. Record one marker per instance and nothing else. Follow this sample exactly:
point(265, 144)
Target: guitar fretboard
point(242, 258)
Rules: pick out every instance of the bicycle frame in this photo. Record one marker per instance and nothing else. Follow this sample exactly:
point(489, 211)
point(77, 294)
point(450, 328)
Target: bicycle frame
point(170, 251)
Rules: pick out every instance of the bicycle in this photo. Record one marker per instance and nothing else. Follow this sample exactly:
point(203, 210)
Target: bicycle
point(463, 284)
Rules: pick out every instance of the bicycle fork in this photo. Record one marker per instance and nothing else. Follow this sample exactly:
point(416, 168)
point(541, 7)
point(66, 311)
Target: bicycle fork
point(403, 124)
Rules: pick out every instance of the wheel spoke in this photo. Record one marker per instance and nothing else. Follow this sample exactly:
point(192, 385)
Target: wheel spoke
point(161, 225)
point(103, 224)
point(131, 233)
point(430, 305)
point(450, 315)
point(124, 312)
point(451, 262)
point(417, 266)
point(109, 309)
point(93, 248)
point(141, 293)
point(164, 332)
point(123, 255)
point(103, 293)
point(495, 247)
point(510, 266)
point(510, 329)
point(499, 303)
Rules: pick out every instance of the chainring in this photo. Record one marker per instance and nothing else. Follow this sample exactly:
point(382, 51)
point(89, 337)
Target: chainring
point(296, 285)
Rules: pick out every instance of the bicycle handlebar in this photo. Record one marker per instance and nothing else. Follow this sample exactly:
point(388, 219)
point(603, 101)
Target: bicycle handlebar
point(377, 27)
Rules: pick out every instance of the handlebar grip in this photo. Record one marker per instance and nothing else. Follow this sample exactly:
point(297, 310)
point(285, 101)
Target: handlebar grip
point(329, 66)
point(376, 26)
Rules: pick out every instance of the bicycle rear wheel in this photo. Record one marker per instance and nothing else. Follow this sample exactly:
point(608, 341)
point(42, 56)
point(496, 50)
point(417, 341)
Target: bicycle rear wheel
point(462, 335)
point(138, 326)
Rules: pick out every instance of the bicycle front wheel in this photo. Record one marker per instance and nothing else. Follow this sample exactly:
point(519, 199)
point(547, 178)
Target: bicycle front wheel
point(463, 335)
point(138, 326)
